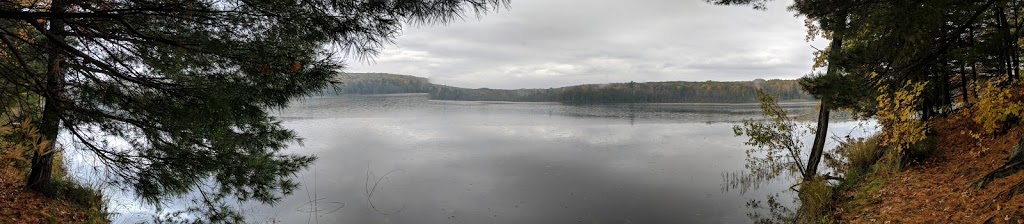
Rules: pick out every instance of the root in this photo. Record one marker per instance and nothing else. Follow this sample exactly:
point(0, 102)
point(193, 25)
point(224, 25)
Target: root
point(1005, 170)
point(1010, 192)
point(1014, 163)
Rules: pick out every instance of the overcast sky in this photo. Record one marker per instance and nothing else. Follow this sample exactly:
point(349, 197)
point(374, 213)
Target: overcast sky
point(553, 43)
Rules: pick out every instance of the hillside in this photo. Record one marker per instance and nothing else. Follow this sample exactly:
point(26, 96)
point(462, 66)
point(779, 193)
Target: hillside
point(632, 92)
point(378, 83)
point(939, 189)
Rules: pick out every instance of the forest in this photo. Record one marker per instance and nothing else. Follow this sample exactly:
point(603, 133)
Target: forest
point(943, 81)
point(377, 83)
point(174, 99)
point(632, 92)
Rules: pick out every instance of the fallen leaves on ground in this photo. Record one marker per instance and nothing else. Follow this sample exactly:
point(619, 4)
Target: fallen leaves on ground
point(21, 205)
point(938, 190)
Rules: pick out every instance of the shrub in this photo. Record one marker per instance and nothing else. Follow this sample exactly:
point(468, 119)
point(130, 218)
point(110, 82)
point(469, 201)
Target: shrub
point(919, 150)
point(18, 141)
point(860, 153)
point(898, 115)
point(997, 105)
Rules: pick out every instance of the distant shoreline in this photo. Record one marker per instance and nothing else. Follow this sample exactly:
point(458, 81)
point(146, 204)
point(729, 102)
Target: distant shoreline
point(781, 103)
point(608, 93)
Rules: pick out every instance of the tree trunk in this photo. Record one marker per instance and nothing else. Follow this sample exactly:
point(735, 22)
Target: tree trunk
point(1013, 48)
point(40, 178)
point(821, 133)
point(963, 85)
point(926, 108)
point(947, 98)
point(1008, 43)
point(817, 149)
point(974, 72)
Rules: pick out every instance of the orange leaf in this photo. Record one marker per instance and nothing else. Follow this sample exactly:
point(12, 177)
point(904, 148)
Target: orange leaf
point(296, 66)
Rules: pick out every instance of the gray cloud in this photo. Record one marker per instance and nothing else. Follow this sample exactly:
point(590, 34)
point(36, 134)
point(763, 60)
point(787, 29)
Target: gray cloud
point(539, 44)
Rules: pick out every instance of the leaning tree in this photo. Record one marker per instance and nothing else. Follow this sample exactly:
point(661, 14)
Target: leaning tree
point(170, 94)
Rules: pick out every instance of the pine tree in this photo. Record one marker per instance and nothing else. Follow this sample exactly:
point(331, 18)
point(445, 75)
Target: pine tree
point(885, 44)
point(170, 94)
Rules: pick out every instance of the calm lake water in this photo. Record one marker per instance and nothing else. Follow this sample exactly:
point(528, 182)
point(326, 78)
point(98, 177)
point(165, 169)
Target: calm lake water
point(407, 159)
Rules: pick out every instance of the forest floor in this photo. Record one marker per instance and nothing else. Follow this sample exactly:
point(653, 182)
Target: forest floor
point(21, 205)
point(938, 189)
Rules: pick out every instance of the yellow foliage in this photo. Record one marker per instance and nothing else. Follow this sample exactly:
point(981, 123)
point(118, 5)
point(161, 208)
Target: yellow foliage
point(897, 113)
point(820, 59)
point(19, 139)
point(996, 105)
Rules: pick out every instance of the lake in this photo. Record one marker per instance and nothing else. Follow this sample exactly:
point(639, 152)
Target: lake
point(407, 159)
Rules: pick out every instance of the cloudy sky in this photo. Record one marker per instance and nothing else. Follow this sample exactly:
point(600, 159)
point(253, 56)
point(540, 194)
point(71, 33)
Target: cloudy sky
point(546, 43)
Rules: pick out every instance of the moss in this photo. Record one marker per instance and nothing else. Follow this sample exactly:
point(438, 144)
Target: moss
point(861, 198)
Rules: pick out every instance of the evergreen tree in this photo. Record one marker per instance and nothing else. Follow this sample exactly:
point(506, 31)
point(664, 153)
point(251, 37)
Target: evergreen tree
point(830, 18)
point(169, 94)
point(883, 45)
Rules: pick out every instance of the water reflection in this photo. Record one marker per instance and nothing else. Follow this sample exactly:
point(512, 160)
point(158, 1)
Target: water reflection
point(417, 104)
point(405, 159)
point(774, 208)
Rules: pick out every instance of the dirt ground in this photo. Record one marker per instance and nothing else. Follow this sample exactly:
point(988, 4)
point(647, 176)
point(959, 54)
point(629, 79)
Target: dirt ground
point(938, 189)
point(20, 205)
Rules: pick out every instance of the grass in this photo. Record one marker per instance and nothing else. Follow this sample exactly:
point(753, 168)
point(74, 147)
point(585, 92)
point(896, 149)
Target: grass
point(865, 162)
point(88, 198)
point(859, 194)
point(860, 154)
point(84, 197)
point(816, 202)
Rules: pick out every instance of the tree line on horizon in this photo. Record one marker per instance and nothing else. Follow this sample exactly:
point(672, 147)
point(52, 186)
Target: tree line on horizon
point(186, 86)
point(631, 92)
